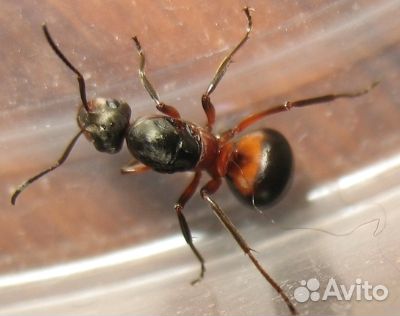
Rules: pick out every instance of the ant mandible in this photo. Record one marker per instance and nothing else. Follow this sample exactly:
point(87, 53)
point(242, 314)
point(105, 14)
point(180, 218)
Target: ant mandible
point(257, 165)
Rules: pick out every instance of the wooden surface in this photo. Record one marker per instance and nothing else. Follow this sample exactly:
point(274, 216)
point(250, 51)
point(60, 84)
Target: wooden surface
point(298, 49)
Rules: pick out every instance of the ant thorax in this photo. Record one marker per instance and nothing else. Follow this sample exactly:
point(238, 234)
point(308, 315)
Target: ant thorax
point(164, 143)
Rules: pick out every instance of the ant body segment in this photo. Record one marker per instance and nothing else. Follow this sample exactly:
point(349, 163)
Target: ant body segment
point(256, 165)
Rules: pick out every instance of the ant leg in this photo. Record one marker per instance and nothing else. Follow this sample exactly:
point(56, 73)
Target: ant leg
point(134, 166)
point(222, 68)
point(227, 135)
point(210, 188)
point(186, 195)
point(57, 51)
point(59, 162)
point(162, 107)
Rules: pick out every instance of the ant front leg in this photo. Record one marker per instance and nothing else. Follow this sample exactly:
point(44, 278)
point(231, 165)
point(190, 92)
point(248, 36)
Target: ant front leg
point(134, 166)
point(162, 107)
point(206, 192)
point(186, 195)
point(222, 68)
point(250, 120)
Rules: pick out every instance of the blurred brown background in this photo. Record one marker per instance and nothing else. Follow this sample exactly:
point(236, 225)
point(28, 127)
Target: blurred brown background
point(298, 49)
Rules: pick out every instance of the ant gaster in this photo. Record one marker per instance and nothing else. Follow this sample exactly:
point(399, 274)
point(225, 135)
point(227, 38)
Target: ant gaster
point(257, 165)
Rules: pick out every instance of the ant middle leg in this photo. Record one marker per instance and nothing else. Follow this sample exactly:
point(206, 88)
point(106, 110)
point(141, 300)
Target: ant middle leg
point(222, 68)
point(251, 119)
point(185, 196)
point(162, 107)
point(206, 192)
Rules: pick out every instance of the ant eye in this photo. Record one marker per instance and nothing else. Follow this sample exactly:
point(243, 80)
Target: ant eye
point(112, 104)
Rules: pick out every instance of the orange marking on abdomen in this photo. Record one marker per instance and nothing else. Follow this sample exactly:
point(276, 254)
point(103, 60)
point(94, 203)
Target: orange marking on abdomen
point(245, 162)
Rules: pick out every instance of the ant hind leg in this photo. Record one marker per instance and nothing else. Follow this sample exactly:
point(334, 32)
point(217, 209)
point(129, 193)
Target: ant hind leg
point(206, 192)
point(251, 119)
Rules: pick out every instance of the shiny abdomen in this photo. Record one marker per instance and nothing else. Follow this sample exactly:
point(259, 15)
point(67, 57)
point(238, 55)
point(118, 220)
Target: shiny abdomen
point(260, 167)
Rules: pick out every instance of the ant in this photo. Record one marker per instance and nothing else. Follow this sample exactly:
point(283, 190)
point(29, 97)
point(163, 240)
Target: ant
point(256, 165)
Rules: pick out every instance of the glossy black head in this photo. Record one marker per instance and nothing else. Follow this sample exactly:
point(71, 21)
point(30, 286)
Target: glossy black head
point(105, 123)
point(165, 144)
point(260, 167)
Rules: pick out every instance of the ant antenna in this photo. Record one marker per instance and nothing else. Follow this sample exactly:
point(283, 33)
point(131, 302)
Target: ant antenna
point(81, 81)
point(59, 162)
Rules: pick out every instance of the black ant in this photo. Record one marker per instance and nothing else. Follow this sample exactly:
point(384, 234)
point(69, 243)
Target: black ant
point(257, 165)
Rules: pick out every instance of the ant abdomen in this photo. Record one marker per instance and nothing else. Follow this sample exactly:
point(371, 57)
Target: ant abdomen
point(105, 123)
point(260, 167)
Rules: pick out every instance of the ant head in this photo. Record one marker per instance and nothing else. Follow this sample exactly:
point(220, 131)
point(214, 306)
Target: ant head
point(105, 123)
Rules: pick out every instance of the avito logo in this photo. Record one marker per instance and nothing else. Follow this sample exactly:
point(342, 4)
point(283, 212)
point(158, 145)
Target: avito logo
point(361, 290)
